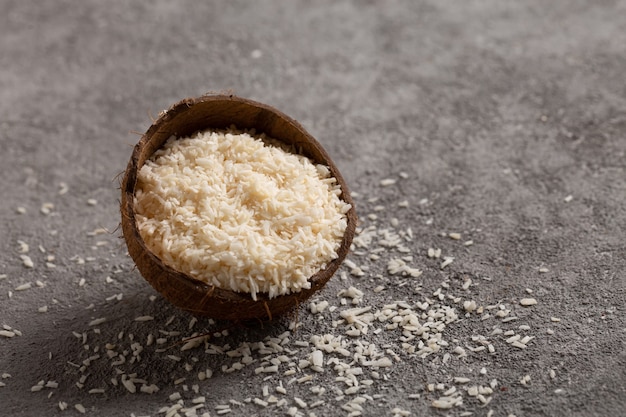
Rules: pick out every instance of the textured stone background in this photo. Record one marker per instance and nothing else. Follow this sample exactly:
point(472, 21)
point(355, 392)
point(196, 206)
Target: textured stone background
point(497, 111)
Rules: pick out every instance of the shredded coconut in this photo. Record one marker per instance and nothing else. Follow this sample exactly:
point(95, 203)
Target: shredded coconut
point(239, 212)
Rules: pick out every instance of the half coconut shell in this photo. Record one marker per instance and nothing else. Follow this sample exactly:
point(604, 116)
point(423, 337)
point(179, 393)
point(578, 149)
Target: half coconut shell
point(219, 112)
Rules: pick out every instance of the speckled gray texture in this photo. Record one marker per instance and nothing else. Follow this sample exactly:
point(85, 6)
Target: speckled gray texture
point(497, 111)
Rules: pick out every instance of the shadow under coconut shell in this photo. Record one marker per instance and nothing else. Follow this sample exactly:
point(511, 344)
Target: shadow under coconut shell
point(146, 339)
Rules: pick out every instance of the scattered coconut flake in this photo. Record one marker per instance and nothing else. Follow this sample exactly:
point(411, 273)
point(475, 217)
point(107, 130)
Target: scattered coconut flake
point(26, 261)
point(97, 322)
point(387, 181)
point(528, 302)
point(447, 260)
point(23, 247)
point(97, 391)
point(63, 188)
point(46, 208)
point(23, 287)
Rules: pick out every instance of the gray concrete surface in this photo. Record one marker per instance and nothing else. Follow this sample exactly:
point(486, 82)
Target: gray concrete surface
point(508, 119)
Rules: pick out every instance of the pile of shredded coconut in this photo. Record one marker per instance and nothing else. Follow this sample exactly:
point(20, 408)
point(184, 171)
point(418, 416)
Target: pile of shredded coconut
point(240, 212)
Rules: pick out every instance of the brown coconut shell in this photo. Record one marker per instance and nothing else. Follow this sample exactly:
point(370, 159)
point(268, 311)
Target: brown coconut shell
point(218, 112)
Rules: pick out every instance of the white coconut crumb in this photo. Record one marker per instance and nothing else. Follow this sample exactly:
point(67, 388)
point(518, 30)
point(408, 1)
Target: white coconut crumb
point(555, 319)
point(23, 287)
point(43, 309)
point(63, 188)
point(399, 412)
point(528, 302)
point(318, 307)
point(97, 391)
point(454, 236)
point(92, 202)
point(568, 198)
point(46, 208)
point(468, 243)
point(434, 253)
point(97, 322)
point(38, 387)
point(469, 305)
point(80, 408)
point(543, 270)
point(447, 260)
point(20, 210)
point(355, 294)
point(403, 203)
point(300, 402)
point(7, 333)
point(23, 246)
point(399, 266)
point(387, 181)
point(447, 403)
point(98, 231)
point(27, 261)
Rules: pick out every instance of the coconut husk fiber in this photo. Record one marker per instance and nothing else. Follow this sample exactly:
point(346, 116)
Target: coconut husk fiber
point(214, 112)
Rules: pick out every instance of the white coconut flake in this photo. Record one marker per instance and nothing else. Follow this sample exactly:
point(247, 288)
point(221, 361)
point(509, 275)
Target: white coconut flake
point(447, 260)
point(23, 287)
point(23, 246)
point(46, 208)
point(27, 261)
point(97, 322)
point(528, 302)
point(7, 333)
